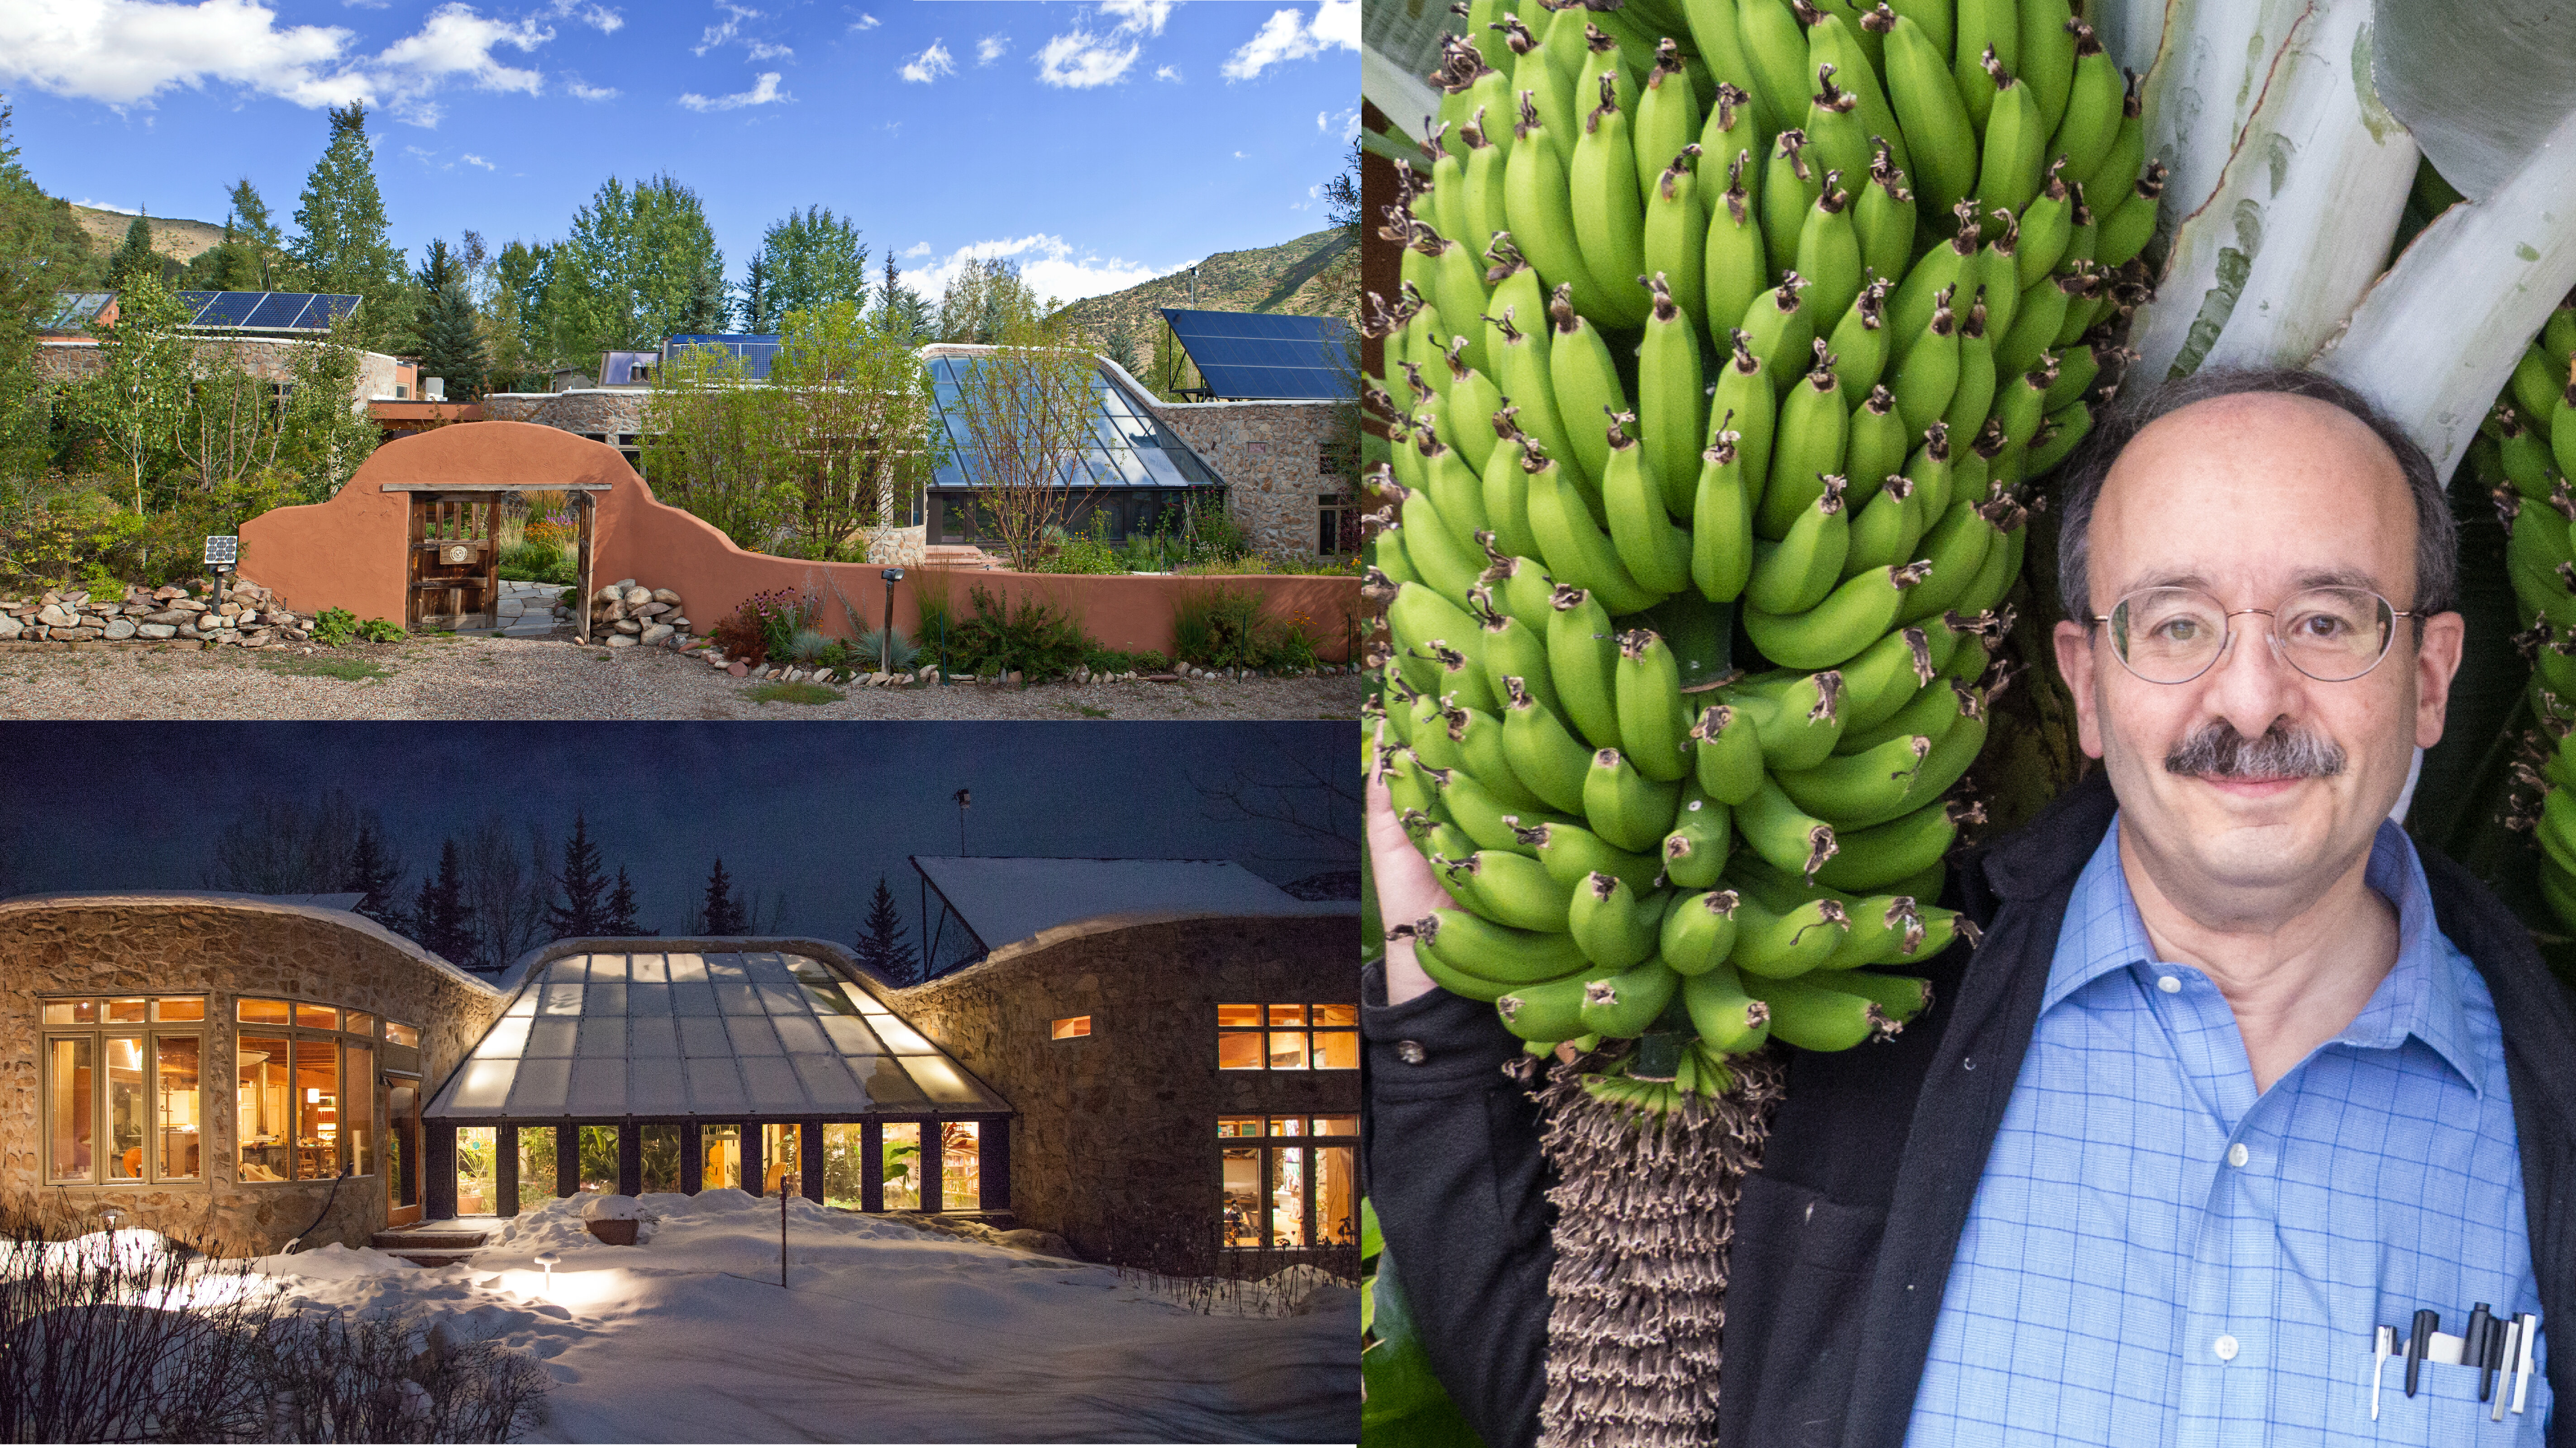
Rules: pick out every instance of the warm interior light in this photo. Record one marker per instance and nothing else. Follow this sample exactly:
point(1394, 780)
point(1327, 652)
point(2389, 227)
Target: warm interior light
point(1068, 1028)
point(312, 1095)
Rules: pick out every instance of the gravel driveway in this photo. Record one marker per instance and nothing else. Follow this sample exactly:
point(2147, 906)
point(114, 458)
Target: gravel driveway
point(497, 678)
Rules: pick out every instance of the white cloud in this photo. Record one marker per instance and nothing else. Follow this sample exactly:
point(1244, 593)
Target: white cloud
point(124, 52)
point(1351, 124)
point(991, 48)
point(1321, 120)
point(473, 160)
point(1169, 72)
point(581, 92)
point(1145, 15)
point(930, 65)
point(865, 22)
point(1049, 264)
point(716, 35)
point(924, 248)
point(918, 248)
point(1080, 60)
point(763, 92)
point(597, 17)
point(1238, 155)
point(1287, 35)
point(763, 50)
point(455, 45)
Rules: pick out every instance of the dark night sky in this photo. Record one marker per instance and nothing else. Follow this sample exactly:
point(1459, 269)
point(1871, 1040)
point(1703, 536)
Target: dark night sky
point(817, 811)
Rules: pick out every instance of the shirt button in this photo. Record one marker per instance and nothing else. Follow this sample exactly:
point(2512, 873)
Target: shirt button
point(2237, 1155)
point(2225, 1347)
point(1409, 1052)
point(2168, 984)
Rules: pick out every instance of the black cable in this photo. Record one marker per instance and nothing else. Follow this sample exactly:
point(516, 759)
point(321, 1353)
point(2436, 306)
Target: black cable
point(296, 1242)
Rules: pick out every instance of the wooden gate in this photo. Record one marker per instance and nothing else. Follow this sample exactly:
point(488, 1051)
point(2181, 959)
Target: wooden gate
point(454, 578)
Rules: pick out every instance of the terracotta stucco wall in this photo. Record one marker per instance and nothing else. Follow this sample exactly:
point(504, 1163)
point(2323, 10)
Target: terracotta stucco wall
point(348, 552)
point(1116, 1143)
point(228, 949)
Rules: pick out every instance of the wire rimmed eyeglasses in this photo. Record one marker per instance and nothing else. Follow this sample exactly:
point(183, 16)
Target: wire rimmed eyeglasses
point(2172, 635)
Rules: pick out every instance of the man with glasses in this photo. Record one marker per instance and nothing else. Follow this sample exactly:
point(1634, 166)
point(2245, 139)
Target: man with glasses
point(2235, 1079)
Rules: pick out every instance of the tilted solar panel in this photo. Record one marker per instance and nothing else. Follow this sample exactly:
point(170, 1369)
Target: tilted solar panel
point(226, 309)
point(1266, 355)
point(278, 310)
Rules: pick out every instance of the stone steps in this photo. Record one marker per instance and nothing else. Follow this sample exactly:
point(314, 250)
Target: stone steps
point(431, 1244)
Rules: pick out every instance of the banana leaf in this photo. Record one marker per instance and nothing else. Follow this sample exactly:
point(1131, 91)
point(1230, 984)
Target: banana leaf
point(2482, 84)
point(2270, 261)
point(2209, 73)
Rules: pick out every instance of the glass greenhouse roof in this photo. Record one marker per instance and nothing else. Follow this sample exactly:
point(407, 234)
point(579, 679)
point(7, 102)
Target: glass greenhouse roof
point(711, 1035)
point(1129, 448)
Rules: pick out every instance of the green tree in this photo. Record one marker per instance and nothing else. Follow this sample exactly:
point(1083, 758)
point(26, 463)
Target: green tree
point(327, 432)
point(139, 397)
point(1119, 346)
point(246, 259)
point(1025, 413)
point(855, 405)
point(439, 919)
point(450, 342)
point(900, 309)
point(717, 444)
point(42, 251)
point(515, 326)
point(135, 257)
point(882, 947)
point(583, 913)
point(810, 261)
point(756, 312)
point(640, 265)
point(621, 909)
point(342, 243)
point(985, 299)
point(375, 868)
point(723, 912)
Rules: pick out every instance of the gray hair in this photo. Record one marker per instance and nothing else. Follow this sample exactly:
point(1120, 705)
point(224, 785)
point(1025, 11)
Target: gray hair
point(2437, 535)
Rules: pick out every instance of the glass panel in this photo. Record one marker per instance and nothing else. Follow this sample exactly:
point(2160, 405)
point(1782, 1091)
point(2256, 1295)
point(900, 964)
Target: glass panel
point(1337, 1015)
point(71, 1013)
point(317, 1110)
point(844, 1149)
point(320, 1018)
point(902, 1150)
point(1288, 1196)
point(358, 1023)
point(1287, 1015)
point(398, 1034)
point(125, 1105)
point(267, 1013)
point(1238, 1126)
point(1241, 1191)
point(661, 1150)
point(778, 1163)
point(961, 1166)
point(599, 1158)
point(1238, 1015)
point(1238, 1050)
point(536, 1165)
point(1068, 1028)
point(1337, 1050)
point(1287, 1125)
point(1288, 1050)
point(182, 1008)
point(478, 1170)
point(260, 1115)
point(126, 1008)
point(722, 1147)
point(402, 1143)
point(1337, 1195)
point(71, 1090)
point(175, 1107)
point(1337, 1126)
point(358, 1108)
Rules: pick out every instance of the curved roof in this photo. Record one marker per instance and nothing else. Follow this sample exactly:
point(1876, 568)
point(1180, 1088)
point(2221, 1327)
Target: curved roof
point(267, 904)
point(717, 1032)
point(1005, 898)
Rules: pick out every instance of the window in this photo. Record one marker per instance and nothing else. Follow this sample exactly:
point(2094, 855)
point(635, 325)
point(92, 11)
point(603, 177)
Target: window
point(901, 1145)
point(845, 1145)
point(478, 1174)
point(1336, 524)
point(121, 1104)
point(778, 1159)
point(1068, 1028)
point(722, 1147)
point(536, 1163)
point(304, 1090)
point(961, 1166)
point(1287, 1037)
point(1288, 1181)
point(660, 1157)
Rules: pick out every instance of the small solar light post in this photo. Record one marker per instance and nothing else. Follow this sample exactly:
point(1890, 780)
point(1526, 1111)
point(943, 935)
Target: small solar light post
point(223, 553)
point(547, 1260)
point(111, 1216)
point(885, 641)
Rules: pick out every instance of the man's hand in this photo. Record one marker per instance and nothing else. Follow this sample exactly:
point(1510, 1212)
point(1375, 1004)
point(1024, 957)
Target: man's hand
point(1406, 891)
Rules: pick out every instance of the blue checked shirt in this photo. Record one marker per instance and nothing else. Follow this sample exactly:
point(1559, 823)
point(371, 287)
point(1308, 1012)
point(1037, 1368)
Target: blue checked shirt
point(2158, 1256)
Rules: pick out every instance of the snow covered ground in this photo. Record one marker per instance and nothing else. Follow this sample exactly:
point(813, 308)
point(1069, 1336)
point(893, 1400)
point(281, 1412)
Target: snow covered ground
point(885, 1333)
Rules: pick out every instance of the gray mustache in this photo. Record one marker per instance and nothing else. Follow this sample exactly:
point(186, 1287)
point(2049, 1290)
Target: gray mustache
point(2219, 752)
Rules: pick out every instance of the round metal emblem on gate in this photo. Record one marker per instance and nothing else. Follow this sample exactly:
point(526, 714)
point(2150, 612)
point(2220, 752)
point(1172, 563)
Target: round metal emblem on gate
point(459, 553)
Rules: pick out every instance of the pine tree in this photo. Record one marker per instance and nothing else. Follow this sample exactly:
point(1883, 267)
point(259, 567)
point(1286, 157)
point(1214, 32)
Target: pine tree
point(438, 918)
point(621, 909)
point(136, 255)
point(722, 914)
point(881, 945)
point(342, 243)
point(374, 872)
point(581, 915)
point(705, 314)
point(450, 342)
point(1120, 347)
point(756, 315)
point(244, 260)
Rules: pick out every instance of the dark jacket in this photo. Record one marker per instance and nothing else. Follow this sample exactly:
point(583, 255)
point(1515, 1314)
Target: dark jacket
point(1839, 1263)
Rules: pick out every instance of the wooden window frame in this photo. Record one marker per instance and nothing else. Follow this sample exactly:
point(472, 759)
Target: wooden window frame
point(1265, 1145)
point(148, 1033)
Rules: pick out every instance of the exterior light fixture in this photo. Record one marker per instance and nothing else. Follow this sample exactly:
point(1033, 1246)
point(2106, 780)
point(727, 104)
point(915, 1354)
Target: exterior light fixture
point(547, 1260)
point(885, 640)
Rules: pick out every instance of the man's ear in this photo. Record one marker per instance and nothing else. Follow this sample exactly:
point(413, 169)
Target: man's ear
point(2075, 662)
point(2437, 663)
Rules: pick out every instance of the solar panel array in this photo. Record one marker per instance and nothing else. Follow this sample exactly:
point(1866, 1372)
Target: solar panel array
point(266, 311)
point(1129, 449)
point(1265, 355)
point(754, 348)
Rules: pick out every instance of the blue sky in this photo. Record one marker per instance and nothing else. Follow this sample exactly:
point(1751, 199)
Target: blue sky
point(1098, 143)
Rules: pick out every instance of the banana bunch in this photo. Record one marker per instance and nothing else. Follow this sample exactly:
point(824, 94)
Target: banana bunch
point(2524, 453)
point(1728, 337)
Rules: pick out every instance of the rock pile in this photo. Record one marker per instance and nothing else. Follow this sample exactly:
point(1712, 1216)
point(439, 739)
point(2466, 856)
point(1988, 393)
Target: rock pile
point(626, 614)
point(243, 614)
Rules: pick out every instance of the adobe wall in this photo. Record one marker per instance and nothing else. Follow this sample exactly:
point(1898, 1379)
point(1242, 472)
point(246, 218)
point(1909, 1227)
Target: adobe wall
point(1116, 1140)
point(141, 945)
point(1271, 457)
point(348, 552)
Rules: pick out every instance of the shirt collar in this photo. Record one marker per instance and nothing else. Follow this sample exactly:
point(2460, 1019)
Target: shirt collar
point(2421, 996)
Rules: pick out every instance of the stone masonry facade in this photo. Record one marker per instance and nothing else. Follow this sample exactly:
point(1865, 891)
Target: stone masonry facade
point(610, 414)
point(143, 945)
point(1274, 458)
point(271, 358)
point(1116, 1146)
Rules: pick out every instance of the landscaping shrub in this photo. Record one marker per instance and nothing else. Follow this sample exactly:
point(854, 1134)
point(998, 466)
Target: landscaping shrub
point(538, 561)
point(781, 614)
point(1090, 552)
point(336, 626)
point(1039, 638)
point(1216, 627)
point(872, 645)
point(807, 646)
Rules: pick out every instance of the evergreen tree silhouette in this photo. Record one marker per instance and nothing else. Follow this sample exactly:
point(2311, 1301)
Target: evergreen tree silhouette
point(373, 872)
point(881, 944)
point(438, 917)
point(722, 914)
point(621, 909)
point(581, 915)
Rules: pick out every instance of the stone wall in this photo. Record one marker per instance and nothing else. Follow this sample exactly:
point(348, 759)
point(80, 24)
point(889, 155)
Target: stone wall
point(273, 358)
point(1271, 456)
point(142, 944)
point(1116, 1142)
point(597, 412)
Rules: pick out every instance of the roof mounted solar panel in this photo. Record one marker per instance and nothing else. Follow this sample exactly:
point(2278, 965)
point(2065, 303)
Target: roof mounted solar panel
point(277, 310)
point(1262, 355)
point(226, 309)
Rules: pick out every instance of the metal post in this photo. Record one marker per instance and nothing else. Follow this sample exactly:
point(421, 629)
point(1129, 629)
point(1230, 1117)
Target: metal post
point(783, 1194)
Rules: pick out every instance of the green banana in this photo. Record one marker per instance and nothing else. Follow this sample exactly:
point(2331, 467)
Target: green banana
point(2127, 154)
point(1481, 185)
point(1586, 381)
point(1503, 953)
point(1796, 717)
point(2048, 31)
point(1514, 649)
point(1999, 272)
point(1666, 117)
point(1790, 185)
point(1538, 201)
point(1549, 1012)
point(1786, 837)
point(1880, 679)
point(2047, 226)
point(1874, 858)
point(1849, 786)
point(1858, 346)
point(1676, 243)
point(1735, 266)
point(2025, 402)
point(1522, 589)
point(1698, 933)
point(1885, 529)
point(2058, 436)
point(1745, 401)
point(1455, 490)
point(1726, 758)
point(1799, 572)
point(2091, 125)
point(1569, 852)
point(1654, 732)
point(1435, 545)
point(1695, 851)
point(1829, 249)
point(1523, 374)
point(1929, 470)
point(1609, 203)
point(1884, 219)
point(1956, 548)
point(2126, 231)
point(1623, 1005)
point(1722, 521)
point(1612, 925)
point(1624, 807)
point(1940, 279)
point(1975, 391)
point(1850, 619)
point(1928, 375)
point(1726, 1018)
point(1472, 398)
point(1669, 399)
point(1928, 109)
point(1503, 486)
point(1987, 31)
point(1486, 817)
point(1577, 551)
point(1655, 549)
point(1812, 433)
point(1875, 451)
point(1459, 281)
point(1512, 290)
point(1777, 50)
point(1837, 147)
point(1582, 656)
point(2035, 326)
point(1781, 331)
point(1783, 944)
point(1825, 1014)
point(1547, 760)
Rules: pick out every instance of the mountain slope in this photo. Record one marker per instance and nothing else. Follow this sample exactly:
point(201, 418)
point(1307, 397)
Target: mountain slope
point(177, 239)
point(1314, 275)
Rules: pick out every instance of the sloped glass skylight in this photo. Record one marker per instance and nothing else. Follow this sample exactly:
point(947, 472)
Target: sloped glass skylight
point(688, 1034)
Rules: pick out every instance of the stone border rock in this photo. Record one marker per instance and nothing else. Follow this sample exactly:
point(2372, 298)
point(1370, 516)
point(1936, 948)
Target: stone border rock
point(927, 676)
point(243, 614)
point(637, 617)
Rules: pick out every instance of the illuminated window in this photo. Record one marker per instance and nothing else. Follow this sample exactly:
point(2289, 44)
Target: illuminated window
point(398, 1034)
point(901, 1144)
point(304, 1092)
point(1068, 1028)
point(120, 1106)
point(265, 1013)
point(1288, 1181)
point(1287, 1038)
point(961, 1166)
